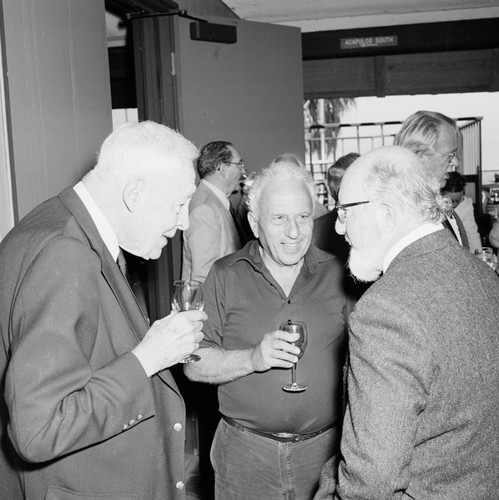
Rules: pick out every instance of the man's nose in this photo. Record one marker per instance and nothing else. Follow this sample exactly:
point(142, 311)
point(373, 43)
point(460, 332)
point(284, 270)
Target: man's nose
point(183, 218)
point(292, 229)
point(453, 164)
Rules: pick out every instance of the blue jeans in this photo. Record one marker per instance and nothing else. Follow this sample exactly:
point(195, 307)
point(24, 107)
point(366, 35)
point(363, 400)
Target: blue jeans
point(252, 467)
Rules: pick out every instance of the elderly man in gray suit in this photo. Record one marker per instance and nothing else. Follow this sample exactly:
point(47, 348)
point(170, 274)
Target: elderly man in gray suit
point(422, 417)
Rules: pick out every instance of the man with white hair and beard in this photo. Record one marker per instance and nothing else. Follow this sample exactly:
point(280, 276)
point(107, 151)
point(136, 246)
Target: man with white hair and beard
point(421, 420)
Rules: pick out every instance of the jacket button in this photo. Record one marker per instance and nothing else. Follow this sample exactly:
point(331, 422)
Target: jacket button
point(180, 485)
point(125, 427)
point(132, 421)
point(139, 416)
point(177, 427)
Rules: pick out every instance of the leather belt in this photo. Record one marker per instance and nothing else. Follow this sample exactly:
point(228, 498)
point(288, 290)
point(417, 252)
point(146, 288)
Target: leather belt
point(282, 437)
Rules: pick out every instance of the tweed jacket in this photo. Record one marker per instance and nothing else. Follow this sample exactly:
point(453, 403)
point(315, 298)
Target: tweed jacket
point(212, 234)
point(83, 418)
point(422, 419)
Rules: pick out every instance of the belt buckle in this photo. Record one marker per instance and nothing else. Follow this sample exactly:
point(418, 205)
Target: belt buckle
point(284, 435)
point(288, 436)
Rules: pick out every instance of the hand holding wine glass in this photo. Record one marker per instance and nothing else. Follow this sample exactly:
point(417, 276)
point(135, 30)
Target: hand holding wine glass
point(300, 328)
point(186, 296)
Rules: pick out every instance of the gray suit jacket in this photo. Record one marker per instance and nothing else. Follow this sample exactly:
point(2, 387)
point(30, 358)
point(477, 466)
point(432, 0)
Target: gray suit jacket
point(422, 420)
point(83, 418)
point(212, 234)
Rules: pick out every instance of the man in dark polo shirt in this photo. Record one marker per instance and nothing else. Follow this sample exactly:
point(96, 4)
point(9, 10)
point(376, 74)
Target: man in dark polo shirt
point(270, 442)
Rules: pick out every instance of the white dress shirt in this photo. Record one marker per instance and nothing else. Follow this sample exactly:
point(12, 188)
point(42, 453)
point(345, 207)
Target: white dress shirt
point(218, 193)
point(105, 230)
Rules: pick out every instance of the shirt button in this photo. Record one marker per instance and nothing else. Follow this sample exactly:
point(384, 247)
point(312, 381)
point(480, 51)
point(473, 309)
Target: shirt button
point(180, 485)
point(177, 427)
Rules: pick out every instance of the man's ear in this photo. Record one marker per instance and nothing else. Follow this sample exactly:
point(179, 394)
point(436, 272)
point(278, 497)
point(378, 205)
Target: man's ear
point(222, 169)
point(133, 193)
point(253, 224)
point(387, 217)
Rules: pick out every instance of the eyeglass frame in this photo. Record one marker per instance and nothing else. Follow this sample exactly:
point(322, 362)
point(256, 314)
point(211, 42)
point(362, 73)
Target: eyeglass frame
point(239, 163)
point(342, 213)
point(450, 156)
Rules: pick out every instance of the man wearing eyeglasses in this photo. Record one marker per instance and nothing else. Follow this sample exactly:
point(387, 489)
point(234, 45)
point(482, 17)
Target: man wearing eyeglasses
point(421, 420)
point(212, 232)
point(434, 138)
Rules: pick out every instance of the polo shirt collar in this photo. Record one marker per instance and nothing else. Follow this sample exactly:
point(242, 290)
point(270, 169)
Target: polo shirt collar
point(251, 253)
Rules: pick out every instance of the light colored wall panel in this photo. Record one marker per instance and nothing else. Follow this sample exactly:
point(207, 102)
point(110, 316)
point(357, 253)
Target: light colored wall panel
point(58, 92)
point(249, 93)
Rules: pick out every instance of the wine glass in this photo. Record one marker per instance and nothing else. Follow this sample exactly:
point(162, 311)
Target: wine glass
point(186, 296)
point(296, 327)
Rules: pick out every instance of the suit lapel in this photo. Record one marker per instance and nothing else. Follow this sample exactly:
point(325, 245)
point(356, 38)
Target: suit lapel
point(112, 274)
point(462, 231)
point(230, 218)
point(109, 267)
point(460, 227)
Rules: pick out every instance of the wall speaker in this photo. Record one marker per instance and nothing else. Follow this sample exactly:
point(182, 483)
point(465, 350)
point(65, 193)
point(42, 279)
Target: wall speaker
point(204, 31)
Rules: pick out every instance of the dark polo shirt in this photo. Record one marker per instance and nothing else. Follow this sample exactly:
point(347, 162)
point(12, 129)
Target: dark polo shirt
point(243, 302)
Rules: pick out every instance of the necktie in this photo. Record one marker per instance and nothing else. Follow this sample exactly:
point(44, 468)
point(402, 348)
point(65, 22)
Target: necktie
point(124, 270)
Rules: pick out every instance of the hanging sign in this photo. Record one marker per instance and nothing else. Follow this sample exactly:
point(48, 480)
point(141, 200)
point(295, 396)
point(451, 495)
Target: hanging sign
point(369, 42)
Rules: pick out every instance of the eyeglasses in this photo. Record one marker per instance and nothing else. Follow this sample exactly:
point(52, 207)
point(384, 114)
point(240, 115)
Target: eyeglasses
point(450, 156)
point(341, 209)
point(239, 163)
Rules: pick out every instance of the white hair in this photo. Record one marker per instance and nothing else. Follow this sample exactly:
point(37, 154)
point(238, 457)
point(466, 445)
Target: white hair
point(395, 174)
point(141, 149)
point(278, 172)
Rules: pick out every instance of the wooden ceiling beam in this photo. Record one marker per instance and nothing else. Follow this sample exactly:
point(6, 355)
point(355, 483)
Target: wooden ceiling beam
point(494, 72)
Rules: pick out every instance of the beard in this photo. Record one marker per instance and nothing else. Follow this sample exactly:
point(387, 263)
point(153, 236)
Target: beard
point(363, 267)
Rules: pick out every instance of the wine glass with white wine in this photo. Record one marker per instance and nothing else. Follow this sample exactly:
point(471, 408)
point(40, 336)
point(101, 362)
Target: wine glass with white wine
point(300, 328)
point(186, 296)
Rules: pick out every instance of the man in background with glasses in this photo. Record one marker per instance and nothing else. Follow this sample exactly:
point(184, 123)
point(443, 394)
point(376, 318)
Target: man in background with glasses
point(212, 232)
point(435, 139)
point(421, 420)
